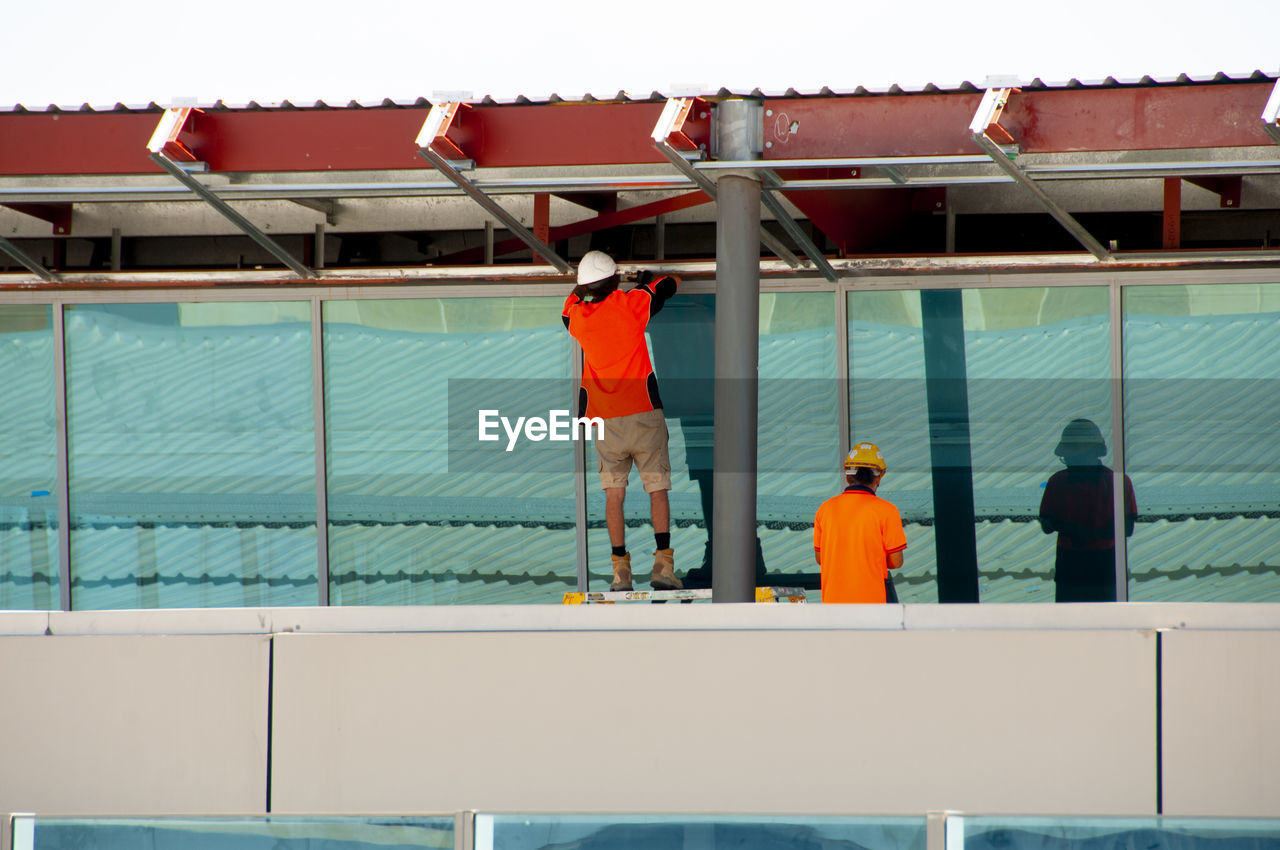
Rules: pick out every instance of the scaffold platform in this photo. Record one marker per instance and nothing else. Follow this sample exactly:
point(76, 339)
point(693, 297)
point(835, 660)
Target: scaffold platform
point(609, 597)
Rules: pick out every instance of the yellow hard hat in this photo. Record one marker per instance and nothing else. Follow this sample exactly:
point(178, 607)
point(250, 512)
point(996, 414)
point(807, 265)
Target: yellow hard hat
point(865, 454)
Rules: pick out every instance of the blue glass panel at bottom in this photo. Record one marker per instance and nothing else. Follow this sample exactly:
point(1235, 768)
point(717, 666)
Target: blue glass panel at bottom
point(651, 832)
point(267, 833)
point(1101, 833)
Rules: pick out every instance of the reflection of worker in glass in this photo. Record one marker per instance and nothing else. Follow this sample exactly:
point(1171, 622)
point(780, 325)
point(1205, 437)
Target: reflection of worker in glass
point(1078, 504)
point(858, 536)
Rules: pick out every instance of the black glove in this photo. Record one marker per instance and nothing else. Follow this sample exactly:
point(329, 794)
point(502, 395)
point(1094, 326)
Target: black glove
point(644, 277)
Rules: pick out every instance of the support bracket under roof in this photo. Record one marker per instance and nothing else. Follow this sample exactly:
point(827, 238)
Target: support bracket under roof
point(27, 261)
point(1271, 114)
point(668, 128)
point(985, 130)
point(165, 146)
point(436, 148)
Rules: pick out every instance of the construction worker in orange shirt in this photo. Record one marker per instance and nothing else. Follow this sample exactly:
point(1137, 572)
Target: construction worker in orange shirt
point(619, 386)
point(858, 536)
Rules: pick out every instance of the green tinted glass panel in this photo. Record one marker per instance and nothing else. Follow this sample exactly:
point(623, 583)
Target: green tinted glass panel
point(1114, 833)
point(421, 511)
point(1201, 409)
point(28, 459)
point(977, 384)
point(604, 832)
point(798, 455)
point(682, 347)
point(192, 455)
point(213, 833)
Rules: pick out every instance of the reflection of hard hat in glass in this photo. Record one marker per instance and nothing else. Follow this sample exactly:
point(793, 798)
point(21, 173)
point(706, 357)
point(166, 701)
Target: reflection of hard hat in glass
point(1081, 437)
point(596, 265)
point(865, 454)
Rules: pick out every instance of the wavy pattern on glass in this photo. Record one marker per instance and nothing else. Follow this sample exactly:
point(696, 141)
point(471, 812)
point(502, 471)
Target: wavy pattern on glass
point(191, 458)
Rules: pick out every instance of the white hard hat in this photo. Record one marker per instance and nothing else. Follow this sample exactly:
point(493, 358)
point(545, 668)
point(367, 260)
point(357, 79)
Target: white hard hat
point(596, 265)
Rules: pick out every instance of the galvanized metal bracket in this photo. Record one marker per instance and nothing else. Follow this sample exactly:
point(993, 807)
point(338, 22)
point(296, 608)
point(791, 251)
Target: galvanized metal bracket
point(671, 141)
point(446, 157)
point(167, 151)
point(1001, 147)
point(27, 261)
point(1271, 114)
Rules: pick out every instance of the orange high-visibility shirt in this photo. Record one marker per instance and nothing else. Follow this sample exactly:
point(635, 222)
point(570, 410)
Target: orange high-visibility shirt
point(854, 533)
point(617, 375)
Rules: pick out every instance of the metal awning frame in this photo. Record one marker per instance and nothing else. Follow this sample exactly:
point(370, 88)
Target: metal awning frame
point(986, 122)
point(442, 153)
point(914, 172)
point(669, 128)
point(165, 145)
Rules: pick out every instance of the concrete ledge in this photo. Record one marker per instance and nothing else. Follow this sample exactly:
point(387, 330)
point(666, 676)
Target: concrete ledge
point(693, 617)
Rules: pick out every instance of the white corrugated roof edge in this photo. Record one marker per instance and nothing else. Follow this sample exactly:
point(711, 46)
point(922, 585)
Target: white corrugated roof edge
point(1036, 83)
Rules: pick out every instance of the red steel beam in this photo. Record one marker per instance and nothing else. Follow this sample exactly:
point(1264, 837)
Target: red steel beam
point(472, 256)
point(332, 139)
point(1052, 121)
point(382, 138)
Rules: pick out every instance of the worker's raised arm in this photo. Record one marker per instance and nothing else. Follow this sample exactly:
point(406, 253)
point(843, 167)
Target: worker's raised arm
point(659, 287)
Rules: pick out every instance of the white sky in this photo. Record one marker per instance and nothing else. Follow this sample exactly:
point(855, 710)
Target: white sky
point(106, 51)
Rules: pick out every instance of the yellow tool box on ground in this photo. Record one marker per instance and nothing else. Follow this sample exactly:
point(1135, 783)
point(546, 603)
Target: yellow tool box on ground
point(763, 594)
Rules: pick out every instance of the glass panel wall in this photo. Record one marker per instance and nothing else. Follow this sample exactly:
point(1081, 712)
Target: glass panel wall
point(741, 832)
point(28, 459)
point(244, 833)
point(192, 455)
point(968, 393)
point(1202, 406)
point(799, 439)
point(990, 832)
point(192, 467)
point(798, 455)
point(421, 509)
point(682, 348)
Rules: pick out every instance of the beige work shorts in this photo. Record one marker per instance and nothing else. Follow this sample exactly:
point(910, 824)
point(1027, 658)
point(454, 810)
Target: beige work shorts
point(640, 437)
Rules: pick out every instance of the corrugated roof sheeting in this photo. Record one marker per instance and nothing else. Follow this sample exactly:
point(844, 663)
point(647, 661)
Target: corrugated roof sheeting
point(965, 86)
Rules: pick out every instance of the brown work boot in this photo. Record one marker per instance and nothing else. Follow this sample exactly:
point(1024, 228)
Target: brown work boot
point(621, 572)
point(664, 571)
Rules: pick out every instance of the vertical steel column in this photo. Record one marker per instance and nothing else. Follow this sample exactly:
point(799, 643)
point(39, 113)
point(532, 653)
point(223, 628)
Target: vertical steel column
point(737, 342)
point(844, 417)
point(64, 460)
point(579, 476)
point(321, 450)
point(1117, 442)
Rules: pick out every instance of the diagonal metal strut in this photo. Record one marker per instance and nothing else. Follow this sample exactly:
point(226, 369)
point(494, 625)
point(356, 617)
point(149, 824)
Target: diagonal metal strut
point(434, 133)
point(28, 261)
point(672, 114)
point(508, 220)
point(793, 228)
point(222, 207)
point(993, 102)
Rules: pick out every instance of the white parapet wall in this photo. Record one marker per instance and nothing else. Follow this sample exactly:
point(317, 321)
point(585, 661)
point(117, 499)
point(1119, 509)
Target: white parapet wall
point(787, 709)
